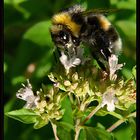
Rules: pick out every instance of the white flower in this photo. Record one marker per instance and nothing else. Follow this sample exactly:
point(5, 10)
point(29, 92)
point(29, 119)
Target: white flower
point(109, 99)
point(27, 95)
point(68, 63)
point(114, 66)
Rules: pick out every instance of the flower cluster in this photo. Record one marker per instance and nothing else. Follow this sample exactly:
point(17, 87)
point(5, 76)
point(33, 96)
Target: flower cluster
point(84, 84)
point(46, 103)
point(120, 95)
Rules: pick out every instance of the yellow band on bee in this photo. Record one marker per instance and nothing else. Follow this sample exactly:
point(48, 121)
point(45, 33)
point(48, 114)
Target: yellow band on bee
point(104, 23)
point(65, 19)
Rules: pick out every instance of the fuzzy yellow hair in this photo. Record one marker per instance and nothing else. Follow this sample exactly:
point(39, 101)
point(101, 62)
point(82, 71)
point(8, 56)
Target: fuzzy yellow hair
point(65, 19)
point(105, 24)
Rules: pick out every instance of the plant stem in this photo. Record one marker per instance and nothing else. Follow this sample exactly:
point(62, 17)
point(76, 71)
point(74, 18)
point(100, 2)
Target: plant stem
point(119, 122)
point(77, 134)
point(54, 127)
point(115, 125)
point(77, 129)
point(91, 114)
point(70, 97)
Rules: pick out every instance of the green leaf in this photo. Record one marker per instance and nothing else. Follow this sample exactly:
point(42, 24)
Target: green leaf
point(24, 115)
point(40, 34)
point(134, 72)
point(102, 112)
point(133, 127)
point(119, 116)
point(7, 107)
point(130, 4)
point(90, 133)
point(63, 134)
point(36, 40)
point(99, 125)
point(17, 5)
point(125, 132)
point(98, 4)
point(13, 1)
point(18, 80)
point(43, 67)
point(66, 126)
point(132, 108)
point(127, 73)
point(127, 26)
point(68, 116)
point(40, 123)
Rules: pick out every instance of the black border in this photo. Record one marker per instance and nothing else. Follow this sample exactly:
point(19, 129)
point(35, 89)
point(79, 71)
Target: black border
point(137, 68)
point(1, 68)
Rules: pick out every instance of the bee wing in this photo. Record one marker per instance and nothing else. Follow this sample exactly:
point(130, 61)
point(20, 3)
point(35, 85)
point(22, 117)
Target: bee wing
point(100, 11)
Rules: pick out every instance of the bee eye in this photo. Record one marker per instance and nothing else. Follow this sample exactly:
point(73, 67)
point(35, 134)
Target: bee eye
point(63, 35)
point(76, 41)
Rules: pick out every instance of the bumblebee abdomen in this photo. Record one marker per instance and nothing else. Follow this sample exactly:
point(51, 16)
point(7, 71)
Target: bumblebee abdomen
point(114, 43)
point(98, 31)
point(99, 34)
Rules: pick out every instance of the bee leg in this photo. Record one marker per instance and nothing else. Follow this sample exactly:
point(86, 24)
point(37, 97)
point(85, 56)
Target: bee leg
point(102, 42)
point(56, 54)
point(106, 53)
point(55, 57)
point(104, 72)
point(102, 66)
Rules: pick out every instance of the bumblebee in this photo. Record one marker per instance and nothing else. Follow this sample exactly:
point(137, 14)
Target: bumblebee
point(75, 26)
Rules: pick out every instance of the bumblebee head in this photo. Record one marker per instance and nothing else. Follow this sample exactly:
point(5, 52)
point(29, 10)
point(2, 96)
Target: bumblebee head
point(63, 37)
point(60, 36)
point(65, 31)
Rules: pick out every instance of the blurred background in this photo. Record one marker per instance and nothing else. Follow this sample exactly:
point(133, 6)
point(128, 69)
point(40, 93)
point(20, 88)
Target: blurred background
point(28, 51)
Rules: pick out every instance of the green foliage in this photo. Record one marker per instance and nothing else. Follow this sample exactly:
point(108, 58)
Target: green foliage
point(28, 53)
point(39, 123)
point(134, 72)
point(67, 117)
point(126, 132)
point(23, 115)
point(90, 133)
